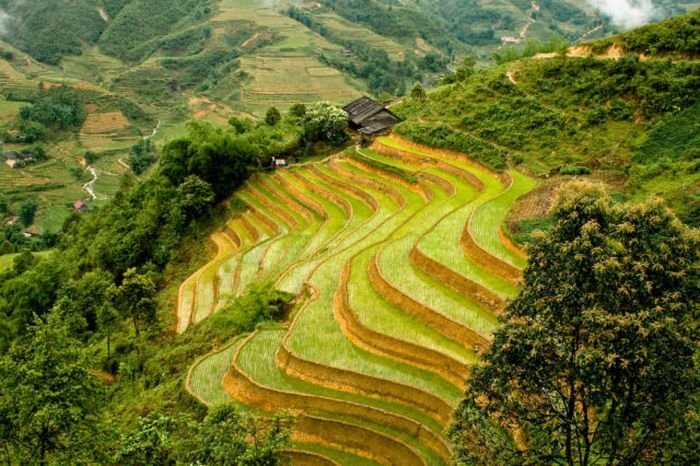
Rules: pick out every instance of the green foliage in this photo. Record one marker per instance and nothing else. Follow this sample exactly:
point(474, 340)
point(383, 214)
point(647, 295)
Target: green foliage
point(27, 210)
point(418, 92)
point(383, 74)
point(297, 111)
point(674, 138)
point(272, 116)
point(142, 156)
point(138, 27)
point(574, 170)
point(27, 132)
point(59, 107)
point(229, 437)
point(325, 122)
point(404, 24)
point(204, 68)
point(573, 111)
point(150, 443)
point(31, 155)
point(49, 398)
point(90, 157)
point(215, 156)
point(676, 36)
point(195, 197)
point(51, 29)
point(134, 298)
point(260, 302)
point(601, 339)
point(463, 71)
point(530, 48)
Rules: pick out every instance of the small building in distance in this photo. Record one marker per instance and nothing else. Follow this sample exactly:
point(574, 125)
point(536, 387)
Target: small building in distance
point(368, 117)
point(280, 162)
point(11, 158)
point(80, 207)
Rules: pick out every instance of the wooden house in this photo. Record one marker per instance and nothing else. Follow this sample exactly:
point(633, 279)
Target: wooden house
point(368, 117)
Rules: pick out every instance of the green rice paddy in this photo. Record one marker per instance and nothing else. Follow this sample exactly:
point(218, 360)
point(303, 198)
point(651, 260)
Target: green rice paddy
point(341, 227)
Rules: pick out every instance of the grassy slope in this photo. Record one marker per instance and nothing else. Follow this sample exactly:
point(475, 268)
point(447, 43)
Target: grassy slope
point(578, 111)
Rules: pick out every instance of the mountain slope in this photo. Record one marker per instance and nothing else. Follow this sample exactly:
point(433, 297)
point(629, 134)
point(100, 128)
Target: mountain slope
point(627, 120)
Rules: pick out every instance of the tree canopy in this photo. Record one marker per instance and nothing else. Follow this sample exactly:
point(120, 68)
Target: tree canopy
point(49, 398)
point(595, 360)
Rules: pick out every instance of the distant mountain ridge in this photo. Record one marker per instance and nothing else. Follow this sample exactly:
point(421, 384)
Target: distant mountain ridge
point(131, 30)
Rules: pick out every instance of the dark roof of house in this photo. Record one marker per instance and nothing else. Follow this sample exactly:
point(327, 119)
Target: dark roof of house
point(374, 128)
point(363, 108)
point(11, 155)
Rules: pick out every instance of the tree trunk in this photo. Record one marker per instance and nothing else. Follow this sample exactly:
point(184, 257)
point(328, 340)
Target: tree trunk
point(8, 456)
point(136, 325)
point(109, 334)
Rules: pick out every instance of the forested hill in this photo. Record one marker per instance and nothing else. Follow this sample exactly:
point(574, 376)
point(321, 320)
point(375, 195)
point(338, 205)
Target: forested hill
point(629, 119)
point(128, 29)
point(133, 29)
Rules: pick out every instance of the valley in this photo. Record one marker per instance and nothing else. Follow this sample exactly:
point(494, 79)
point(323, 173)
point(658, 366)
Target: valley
point(205, 259)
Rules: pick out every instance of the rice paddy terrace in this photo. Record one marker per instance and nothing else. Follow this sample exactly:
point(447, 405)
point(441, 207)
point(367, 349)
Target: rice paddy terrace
point(401, 269)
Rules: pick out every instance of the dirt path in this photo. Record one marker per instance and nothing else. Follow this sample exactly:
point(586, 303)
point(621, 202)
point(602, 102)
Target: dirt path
point(511, 77)
point(103, 14)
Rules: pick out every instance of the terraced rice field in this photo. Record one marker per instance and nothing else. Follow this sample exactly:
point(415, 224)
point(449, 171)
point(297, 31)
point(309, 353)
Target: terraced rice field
point(286, 71)
point(107, 130)
point(396, 254)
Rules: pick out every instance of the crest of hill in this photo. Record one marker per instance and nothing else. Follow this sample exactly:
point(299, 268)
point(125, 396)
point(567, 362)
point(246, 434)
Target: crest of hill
point(679, 36)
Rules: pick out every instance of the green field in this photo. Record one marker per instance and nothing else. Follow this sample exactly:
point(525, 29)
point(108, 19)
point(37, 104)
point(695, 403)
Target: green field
point(316, 230)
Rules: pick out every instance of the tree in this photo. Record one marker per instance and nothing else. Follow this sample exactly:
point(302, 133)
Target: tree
point(418, 92)
point(49, 398)
point(150, 443)
point(27, 210)
point(463, 71)
point(142, 156)
point(325, 122)
point(195, 197)
point(4, 205)
point(90, 157)
point(273, 116)
point(297, 111)
point(107, 320)
point(229, 437)
point(134, 298)
point(595, 360)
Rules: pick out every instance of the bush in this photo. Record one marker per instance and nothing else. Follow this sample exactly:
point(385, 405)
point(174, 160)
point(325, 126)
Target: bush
point(325, 122)
point(574, 170)
point(27, 210)
point(273, 116)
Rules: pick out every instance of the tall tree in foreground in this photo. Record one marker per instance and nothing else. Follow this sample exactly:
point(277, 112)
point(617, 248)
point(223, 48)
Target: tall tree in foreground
point(595, 361)
point(49, 398)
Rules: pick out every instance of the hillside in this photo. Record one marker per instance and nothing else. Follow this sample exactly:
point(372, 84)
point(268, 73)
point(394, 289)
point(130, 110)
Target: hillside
point(385, 361)
point(620, 119)
point(213, 302)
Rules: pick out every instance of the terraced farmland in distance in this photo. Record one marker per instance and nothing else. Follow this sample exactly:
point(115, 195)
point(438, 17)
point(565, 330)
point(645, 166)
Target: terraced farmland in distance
point(401, 273)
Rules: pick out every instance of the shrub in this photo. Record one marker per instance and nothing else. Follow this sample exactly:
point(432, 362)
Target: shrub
point(574, 170)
